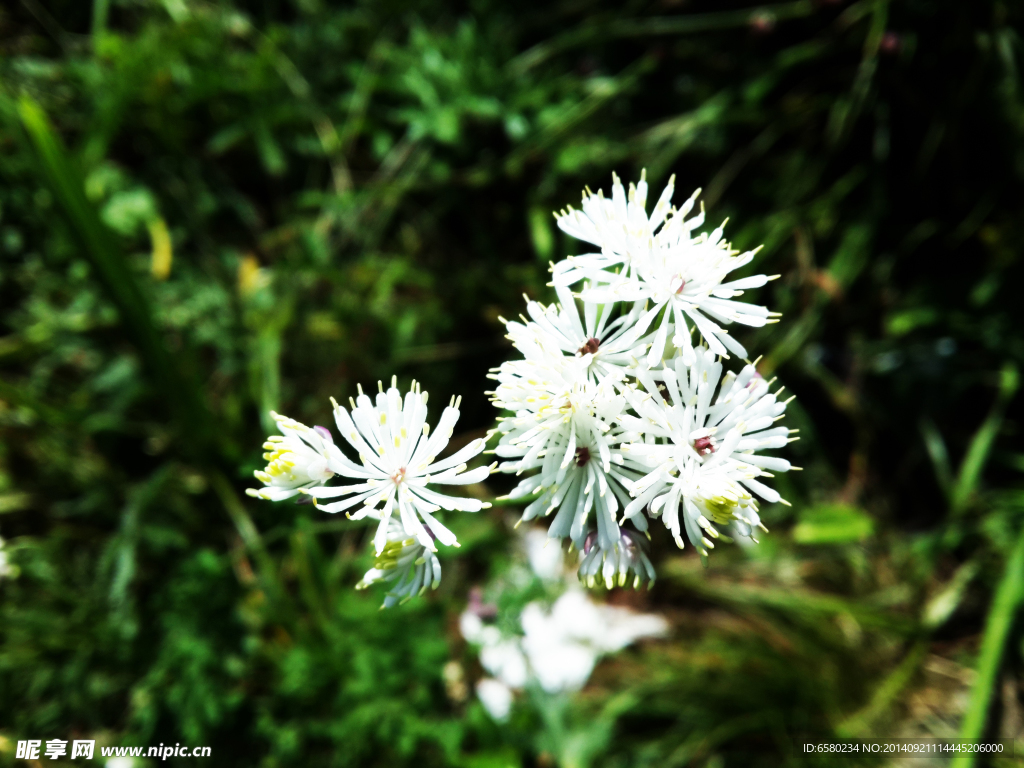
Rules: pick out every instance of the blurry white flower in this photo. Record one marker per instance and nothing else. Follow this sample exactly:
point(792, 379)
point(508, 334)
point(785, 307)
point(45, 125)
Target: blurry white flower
point(501, 656)
point(546, 559)
point(605, 346)
point(121, 762)
point(298, 458)
point(620, 227)
point(559, 647)
point(496, 698)
point(474, 630)
point(705, 462)
point(613, 566)
point(398, 460)
point(563, 645)
point(405, 564)
point(505, 660)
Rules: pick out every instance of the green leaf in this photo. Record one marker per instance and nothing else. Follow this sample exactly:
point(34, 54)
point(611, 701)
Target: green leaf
point(833, 524)
point(128, 212)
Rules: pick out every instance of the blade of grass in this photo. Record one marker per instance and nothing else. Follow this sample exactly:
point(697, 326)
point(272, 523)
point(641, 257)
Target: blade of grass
point(937, 452)
point(68, 187)
point(997, 627)
point(981, 444)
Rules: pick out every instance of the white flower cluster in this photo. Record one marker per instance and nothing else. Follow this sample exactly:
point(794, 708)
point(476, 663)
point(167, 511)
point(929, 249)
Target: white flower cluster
point(397, 462)
point(616, 415)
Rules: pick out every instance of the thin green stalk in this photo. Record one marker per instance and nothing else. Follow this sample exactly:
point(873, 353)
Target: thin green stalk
point(997, 627)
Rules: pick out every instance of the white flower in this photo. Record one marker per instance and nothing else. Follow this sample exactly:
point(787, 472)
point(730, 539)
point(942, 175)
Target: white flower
point(620, 227)
point(683, 283)
point(667, 270)
point(398, 458)
point(614, 565)
point(606, 346)
point(298, 458)
point(496, 698)
point(406, 564)
point(705, 461)
point(565, 425)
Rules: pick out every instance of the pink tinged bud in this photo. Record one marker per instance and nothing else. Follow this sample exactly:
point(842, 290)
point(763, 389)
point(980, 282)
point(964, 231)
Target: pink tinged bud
point(324, 433)
point(682, 285)
point(588, 543)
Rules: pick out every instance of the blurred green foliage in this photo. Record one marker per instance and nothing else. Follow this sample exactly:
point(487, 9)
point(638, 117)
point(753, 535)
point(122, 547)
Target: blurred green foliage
point(264, 202)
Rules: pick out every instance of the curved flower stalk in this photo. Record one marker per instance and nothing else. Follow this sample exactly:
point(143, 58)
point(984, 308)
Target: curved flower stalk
point(565, 425)
point(613, 565)
point(397, 463)
point(702, 452)
point(607, 347)
point(405, 564)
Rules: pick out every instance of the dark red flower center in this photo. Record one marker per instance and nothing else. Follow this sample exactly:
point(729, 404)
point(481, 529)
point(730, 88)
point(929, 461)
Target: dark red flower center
point(703, 446)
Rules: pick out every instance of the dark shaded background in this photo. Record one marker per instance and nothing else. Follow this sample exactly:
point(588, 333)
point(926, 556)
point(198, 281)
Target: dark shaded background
point(352, 191)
